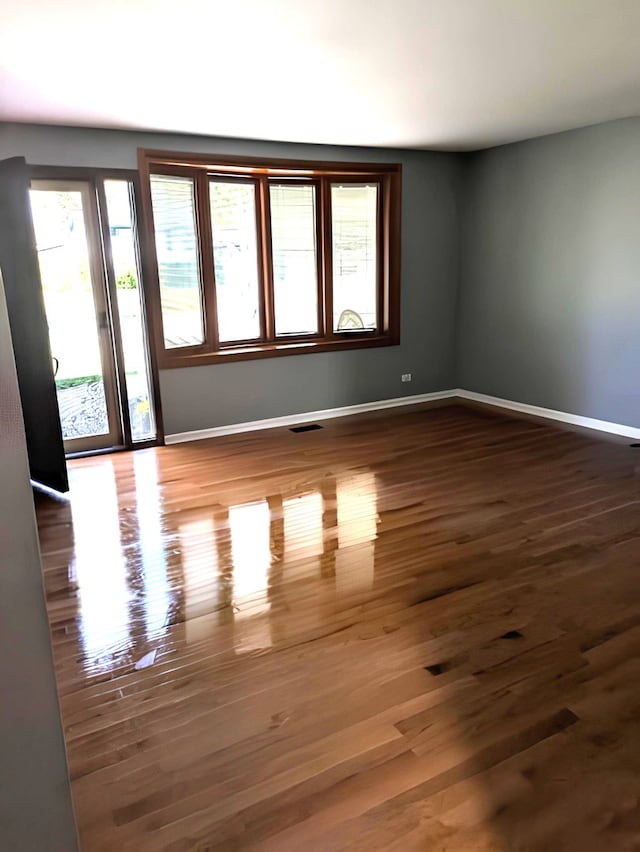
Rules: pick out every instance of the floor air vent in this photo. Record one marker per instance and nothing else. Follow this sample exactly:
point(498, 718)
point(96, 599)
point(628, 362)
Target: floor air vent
point(310, 428)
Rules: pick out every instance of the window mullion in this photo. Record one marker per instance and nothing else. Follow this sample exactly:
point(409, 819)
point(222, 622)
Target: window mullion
point(322, 324)
point(326, 256)
point(207, 271)
point(267, 320)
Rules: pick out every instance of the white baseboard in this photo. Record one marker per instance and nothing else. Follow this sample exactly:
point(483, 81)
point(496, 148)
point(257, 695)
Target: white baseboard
point(379, 405)
point(306, 417)
point(551, 414)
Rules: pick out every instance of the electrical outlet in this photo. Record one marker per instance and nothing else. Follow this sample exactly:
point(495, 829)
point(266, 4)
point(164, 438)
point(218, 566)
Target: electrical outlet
point(406, 377)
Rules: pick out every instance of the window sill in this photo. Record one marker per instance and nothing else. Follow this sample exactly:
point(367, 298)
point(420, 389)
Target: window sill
point(173, 358)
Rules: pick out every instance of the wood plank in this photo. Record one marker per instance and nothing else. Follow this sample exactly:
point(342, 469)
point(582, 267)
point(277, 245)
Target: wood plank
point(407, 630)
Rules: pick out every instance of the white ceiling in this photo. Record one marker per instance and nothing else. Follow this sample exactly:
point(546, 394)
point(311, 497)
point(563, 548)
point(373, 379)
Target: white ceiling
point(451, 74)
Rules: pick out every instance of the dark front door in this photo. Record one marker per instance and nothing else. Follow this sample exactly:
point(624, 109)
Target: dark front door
point(29, 332)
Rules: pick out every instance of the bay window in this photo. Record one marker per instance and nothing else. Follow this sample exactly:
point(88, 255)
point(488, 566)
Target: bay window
point(258, 258)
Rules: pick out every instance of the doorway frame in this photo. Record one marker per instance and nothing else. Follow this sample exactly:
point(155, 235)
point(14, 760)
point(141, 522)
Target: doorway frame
point(96, 177)
point(114, 436)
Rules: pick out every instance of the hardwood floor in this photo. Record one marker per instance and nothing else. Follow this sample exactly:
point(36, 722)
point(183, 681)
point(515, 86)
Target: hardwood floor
point(405, 631)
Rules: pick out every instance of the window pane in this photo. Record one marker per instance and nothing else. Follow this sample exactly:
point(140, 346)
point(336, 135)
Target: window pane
point(65, 270)
point(132, 327)
point(354, 211)
point(235, 256)
point(177, 252)
point(295, 273)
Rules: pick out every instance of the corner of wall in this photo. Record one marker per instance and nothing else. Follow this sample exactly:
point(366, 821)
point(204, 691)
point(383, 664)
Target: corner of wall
point(466, 161)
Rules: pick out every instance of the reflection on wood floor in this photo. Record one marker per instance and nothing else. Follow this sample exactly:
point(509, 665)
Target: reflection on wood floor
point(405, 631)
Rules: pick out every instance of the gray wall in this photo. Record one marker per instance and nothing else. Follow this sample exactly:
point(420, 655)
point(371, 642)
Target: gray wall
point(201, 397)
point(541, 236)
point(35, 797)
point(549, 308)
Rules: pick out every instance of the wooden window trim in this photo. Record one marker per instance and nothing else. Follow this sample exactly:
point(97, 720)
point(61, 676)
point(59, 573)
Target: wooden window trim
point(265, 262)
point(205, 167)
